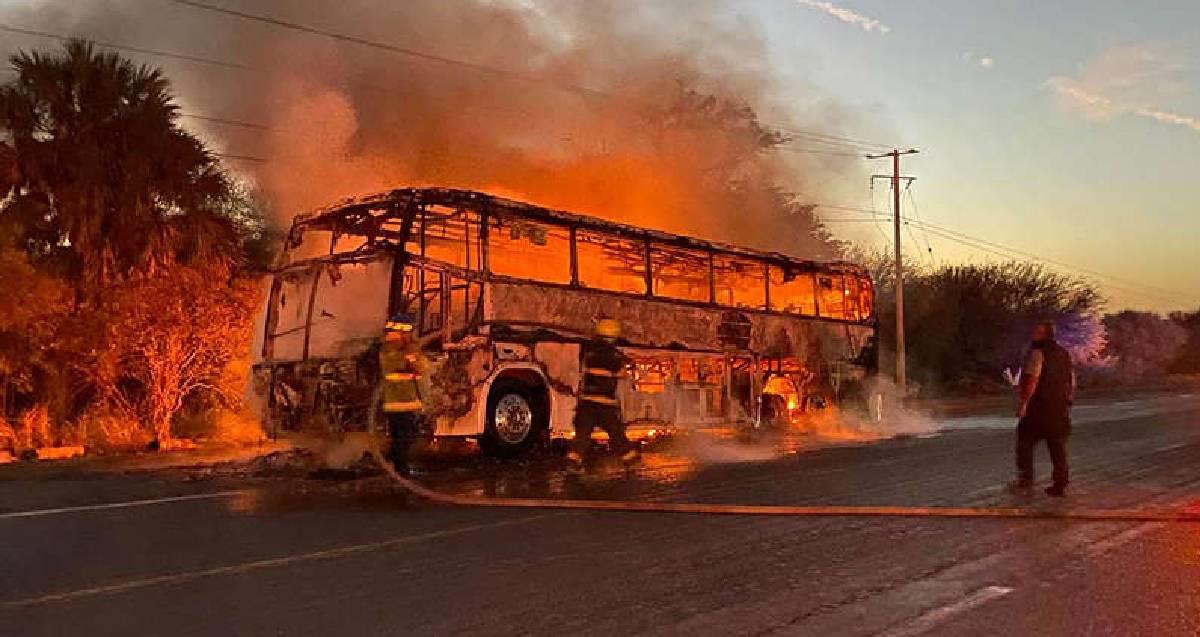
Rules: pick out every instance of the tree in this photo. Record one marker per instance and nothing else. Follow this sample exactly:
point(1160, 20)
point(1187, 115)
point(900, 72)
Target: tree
point(164, 340)
point(30, 310)
point(99, 182)
point(1188, 359)
point(107, 202)
point(1142, 344)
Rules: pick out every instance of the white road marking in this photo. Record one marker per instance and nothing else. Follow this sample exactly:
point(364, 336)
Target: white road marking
point(119, 505)
point(1122, 538)
point(937, 616)
point(234, 569)
point(1171, 447)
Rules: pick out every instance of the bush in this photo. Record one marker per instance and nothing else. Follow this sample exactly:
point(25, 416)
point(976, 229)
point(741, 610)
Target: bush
point(33, 429)
point(1142, 344)
point(220, 425)
point(150, 346)
point(106, 428)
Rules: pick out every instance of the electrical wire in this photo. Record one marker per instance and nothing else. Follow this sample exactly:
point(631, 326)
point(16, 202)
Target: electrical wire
point(477, 67)
point(912, 236)
point(124, 47)
point(226, 121)
point(1010, 253)
point(983, 246)
point(834, 141)
point(819, 151)
point(1051, 261)
point(916, 213)
point(837, 145)
point(249, 158)
point(887, 241)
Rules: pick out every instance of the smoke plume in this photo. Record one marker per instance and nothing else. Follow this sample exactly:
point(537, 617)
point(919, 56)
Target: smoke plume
point(640, 112)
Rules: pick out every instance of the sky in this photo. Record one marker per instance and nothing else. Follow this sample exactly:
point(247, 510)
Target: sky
point(1068, 129)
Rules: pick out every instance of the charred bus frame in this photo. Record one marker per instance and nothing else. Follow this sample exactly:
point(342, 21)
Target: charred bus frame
point(505, 292)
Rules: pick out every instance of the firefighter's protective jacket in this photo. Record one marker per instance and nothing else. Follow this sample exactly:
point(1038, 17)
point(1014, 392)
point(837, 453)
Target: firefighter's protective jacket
point(602, 365)
point(401, 365)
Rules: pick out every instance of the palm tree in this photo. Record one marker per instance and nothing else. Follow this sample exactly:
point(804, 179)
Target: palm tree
point(97, 179)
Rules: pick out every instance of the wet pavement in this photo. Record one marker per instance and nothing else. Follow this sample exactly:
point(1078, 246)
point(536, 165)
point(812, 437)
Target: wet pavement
point(224, 551)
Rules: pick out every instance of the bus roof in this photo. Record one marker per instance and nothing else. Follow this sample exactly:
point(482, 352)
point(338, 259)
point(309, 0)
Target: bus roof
point(347, 217)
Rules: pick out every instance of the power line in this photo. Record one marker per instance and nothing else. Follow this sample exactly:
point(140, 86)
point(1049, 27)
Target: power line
point(124, 47)
point(383, 46)
point(912, 235)
point(809, 136)
point(1140, 290)
point(153, 53)
point(839, 146)
point(480, 68)
point(916, 212)
point(1051, 261)
point(1008, 252)
point(249, 158)
point(849, 141)
point(870, 211)
point(818, 151)
point(226, 121)
point(875, 212)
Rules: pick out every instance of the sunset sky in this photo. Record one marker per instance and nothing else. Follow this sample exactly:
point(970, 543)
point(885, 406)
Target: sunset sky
point(1070, 129)
point(1067, 129)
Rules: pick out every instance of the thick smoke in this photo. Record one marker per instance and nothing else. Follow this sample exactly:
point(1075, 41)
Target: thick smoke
point(622, 109)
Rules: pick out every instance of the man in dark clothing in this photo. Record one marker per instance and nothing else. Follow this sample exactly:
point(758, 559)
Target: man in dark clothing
point(603, 364)
point(1047, 391)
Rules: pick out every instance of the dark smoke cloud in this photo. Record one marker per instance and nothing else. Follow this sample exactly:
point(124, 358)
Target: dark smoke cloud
point(345, 119)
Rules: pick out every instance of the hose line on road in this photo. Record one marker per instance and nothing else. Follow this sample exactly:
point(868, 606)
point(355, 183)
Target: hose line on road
point(1087, 515)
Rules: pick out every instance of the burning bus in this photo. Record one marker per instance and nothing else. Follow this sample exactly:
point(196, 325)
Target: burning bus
point(504, 293)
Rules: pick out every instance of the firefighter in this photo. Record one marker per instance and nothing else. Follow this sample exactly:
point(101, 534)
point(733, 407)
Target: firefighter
point(1047, 391)
point(401, 364)
point(603, 364)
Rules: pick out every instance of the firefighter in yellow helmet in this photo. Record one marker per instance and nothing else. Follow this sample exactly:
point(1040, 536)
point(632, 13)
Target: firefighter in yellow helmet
point(603, 365)
point(401, 365)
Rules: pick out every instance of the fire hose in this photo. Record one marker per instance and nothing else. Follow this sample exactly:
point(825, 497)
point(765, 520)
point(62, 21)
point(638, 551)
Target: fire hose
point(1086, 515)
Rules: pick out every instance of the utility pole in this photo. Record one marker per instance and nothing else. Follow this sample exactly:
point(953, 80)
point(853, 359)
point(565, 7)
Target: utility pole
point(901, 371)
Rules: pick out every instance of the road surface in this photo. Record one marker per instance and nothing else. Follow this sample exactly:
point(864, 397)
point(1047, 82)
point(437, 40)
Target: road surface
point(170, 553)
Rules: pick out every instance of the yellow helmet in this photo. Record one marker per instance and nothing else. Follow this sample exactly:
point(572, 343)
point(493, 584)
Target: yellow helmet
point(608, 328)
point(399, 323)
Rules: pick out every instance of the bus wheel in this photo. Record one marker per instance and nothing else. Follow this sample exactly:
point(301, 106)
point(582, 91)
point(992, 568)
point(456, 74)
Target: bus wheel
point(516, 418)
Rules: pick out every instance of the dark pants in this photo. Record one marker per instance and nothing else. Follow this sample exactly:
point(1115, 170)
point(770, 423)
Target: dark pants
point(589, 416)
point(403, 428)
point(1027, 440)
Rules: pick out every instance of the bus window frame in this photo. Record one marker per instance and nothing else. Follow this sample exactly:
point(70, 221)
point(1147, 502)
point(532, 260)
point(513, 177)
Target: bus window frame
point(479, 260)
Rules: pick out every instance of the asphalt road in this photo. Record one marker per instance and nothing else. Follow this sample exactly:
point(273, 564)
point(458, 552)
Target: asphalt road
point(170, 553)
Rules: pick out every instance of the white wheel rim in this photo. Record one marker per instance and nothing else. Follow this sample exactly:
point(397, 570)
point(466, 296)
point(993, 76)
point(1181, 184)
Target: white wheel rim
point(513, 418)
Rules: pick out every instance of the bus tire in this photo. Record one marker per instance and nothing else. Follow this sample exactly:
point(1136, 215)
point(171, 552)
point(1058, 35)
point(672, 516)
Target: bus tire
point(517, 416)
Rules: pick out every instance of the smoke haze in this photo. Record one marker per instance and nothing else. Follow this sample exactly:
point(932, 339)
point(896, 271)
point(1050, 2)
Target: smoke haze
point(625, 110)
